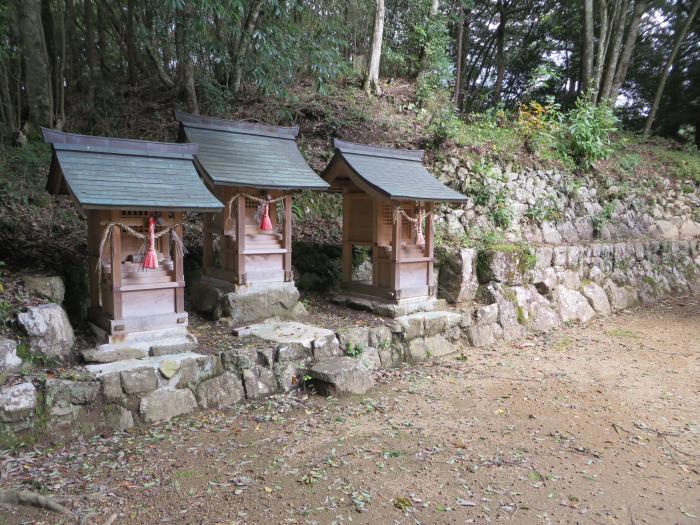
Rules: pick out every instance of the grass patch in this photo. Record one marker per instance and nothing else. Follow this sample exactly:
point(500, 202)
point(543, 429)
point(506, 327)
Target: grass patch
point(620, 332)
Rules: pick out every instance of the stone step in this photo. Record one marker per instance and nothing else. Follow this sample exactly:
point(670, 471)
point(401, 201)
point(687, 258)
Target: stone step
point(102, 369)
point(340, 376)
point(112, 352)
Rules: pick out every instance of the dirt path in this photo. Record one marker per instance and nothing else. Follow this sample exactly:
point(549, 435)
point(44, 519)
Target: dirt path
point(596, 424)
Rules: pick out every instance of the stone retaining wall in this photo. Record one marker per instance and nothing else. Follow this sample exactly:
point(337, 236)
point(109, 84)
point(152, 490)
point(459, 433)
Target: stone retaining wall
point(504, 294)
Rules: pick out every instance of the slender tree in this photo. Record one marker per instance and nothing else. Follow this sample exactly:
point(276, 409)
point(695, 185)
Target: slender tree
point(371, 84)
point(37, 73)
point(680, 35)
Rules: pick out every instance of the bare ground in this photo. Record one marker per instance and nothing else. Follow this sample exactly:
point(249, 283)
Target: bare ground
point(595, 424)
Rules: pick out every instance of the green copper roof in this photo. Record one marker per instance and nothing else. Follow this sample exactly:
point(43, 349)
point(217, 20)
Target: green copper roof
point(115, 173)
point(249, 155)
point(397, 174)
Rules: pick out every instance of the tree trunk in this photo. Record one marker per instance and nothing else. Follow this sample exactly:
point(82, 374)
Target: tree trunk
point(614, 53)
point(371, 84)
point(131, 40)
point(423, 56)
point(459, 44)
point(500, 57)
point(680, 35)
point(587, 72)
point(640, 7)
point(183, 39)
point(37, 74)
point(101, 22)
point(90, 51)
point(602, 48)
point(6, 97)
point(73, 55)
point(242, 44)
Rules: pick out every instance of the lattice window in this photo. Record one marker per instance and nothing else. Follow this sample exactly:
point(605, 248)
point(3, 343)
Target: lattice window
point(387, 215)
point(250, 204)
point(131, 213)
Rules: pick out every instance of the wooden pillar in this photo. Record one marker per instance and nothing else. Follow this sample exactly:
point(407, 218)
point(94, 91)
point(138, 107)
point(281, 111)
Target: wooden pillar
point(178, 264)
point(207, 246)
point(240, 240)
point(116, 261)
point(287, 239)
point(395, 275)
point(347, 246)
point(376, 210)
point(429, 241)
point(94, 232)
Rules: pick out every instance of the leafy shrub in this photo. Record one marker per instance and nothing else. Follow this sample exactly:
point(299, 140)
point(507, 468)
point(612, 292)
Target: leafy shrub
point(588, 128)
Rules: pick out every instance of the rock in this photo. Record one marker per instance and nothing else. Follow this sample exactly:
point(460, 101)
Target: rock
point(663, 229)
point(206, 299)
point(112, 388)
point(50, 287)
point(481, 335)
point(352, 338)
point(435, 346)
point(259, 382)
point(545, 280)
point(162, 405)
point(363, 272)
point(550, 235)
point(139, 380)
point(486, 315)
point(689, 230)
point(380, 337)
point(75, 392)
point(173, 345)
point(169, 368)
point(297, 341)
point(570, 279)
point(117, 417)
point(49, 330)
point(457, 279)
point(572, 306)
point(17, 402)
point(370, 359)
point(340, 376)
point(239, 359)
point(288, 374)
point(109, 353)
point(222, 391)
point(505, 266)
point(620, 297)
point(9, 361)
point(596, 297)
point(260, 302)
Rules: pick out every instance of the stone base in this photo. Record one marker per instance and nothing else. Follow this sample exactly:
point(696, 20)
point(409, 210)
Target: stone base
point(340, 376)
point(387, 308)
point(139, 345)
point(245, 304)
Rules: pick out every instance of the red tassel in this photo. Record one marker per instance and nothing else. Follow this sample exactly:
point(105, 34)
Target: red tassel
point(150, 261)
point(266, 223)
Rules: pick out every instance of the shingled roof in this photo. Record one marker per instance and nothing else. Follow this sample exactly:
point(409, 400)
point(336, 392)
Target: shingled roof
point(119, 173)
point(249, 155)
point(393, 173)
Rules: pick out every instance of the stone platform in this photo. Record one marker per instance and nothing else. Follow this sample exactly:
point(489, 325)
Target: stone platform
point(390, 308)
point(217, 299)
point(138, 345)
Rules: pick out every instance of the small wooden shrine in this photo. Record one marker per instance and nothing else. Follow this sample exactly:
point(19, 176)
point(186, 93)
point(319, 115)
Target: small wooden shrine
point(388, 198)
point(253, 169)
point(133, 194)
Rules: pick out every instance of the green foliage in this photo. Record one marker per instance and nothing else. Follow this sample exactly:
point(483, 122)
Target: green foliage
point(487, 192)
point(588, 128)
point(603, 217)
point(354, 350)
point(544, 209)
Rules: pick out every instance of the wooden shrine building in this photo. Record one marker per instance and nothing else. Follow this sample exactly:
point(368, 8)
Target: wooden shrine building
point(133, 194)
point(252, 169)
point(388, 198)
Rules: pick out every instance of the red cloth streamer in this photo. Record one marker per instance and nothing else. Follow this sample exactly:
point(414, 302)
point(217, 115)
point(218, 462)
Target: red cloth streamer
point(266, 223)
point(420, 238)
point(150, 261)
